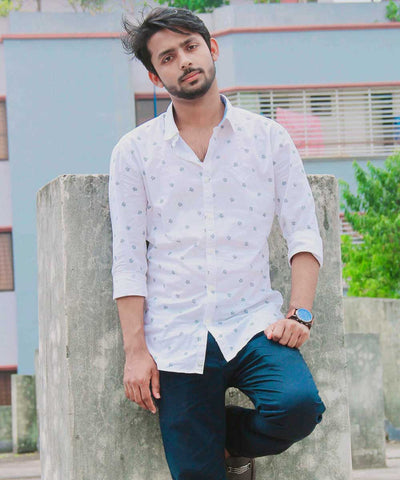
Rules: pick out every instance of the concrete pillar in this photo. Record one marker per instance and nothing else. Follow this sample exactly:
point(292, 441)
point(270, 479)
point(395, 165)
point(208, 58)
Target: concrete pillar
point(88, 428)
point(24, 426)
point(381, 316)
point(38, 392)
point(5, 429)
point(367, 417)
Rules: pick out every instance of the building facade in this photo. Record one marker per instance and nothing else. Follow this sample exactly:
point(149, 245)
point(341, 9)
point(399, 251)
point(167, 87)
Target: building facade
point(327, 72)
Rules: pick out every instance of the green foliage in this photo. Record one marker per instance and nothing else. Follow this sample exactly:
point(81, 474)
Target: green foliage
point(393, 11)
point(267, 1)
point(6, 6)
point(92, 6)
point(198, 6)
point(372, 268)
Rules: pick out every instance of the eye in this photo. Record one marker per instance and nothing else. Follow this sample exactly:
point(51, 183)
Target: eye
point(192, 46)
point(166, 59)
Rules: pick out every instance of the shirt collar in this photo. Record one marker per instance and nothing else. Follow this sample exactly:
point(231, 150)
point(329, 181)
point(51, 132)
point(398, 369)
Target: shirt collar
point(171, 130)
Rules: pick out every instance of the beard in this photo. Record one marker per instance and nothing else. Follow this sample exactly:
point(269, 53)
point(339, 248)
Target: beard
point(195, 89)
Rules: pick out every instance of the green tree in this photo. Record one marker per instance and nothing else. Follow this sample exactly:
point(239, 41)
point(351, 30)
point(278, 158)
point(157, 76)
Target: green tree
point(199, 6)
point(6, 6)
point(372, 267)
point(92, 6)
point(393, 11)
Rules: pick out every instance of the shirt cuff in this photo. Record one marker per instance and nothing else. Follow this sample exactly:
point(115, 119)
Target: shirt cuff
point(126, 284)
point(305, 241)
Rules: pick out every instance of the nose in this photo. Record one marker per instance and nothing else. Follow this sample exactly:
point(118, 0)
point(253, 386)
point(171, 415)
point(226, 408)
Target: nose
point(185, 62)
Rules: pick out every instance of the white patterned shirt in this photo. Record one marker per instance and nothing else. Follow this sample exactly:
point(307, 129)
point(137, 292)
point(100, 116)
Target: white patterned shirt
point(206, 266)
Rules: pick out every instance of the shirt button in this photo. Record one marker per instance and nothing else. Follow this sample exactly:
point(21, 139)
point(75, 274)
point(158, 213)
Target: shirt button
point(207, 179)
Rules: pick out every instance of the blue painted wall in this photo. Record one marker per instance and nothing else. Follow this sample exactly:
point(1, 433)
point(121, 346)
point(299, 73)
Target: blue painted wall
point(69, 101)
point(315, 57)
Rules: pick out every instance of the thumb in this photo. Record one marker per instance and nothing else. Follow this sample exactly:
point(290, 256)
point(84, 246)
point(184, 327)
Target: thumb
point(155, 383)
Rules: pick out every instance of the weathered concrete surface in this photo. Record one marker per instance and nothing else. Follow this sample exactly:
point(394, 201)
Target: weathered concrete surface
point(88, 428)
point(5, 429)
point(365, 383)
point(24, 426)
point(38, 392)
point(381, 316)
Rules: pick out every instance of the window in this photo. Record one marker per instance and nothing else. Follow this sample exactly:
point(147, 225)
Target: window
point(339, 122)
point(145, 108)
point(6, 260)
point(3, 131)
point(321, 104)
point(5, 385)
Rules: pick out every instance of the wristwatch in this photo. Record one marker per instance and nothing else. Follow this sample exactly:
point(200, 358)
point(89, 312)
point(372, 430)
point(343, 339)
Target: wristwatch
point(304, 316)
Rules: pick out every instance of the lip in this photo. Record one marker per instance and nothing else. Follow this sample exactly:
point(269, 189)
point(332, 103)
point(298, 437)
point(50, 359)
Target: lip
point(190, 76)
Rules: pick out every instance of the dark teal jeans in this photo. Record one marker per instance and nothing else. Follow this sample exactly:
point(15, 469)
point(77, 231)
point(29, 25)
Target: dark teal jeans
point(196, 427)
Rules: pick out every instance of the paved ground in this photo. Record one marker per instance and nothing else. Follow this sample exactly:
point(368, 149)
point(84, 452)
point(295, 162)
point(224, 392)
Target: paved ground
point(27, 466)
point(19, 467)
point(392, 472)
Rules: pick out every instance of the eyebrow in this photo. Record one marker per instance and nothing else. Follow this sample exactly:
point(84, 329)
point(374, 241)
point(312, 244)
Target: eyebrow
point(170, 50)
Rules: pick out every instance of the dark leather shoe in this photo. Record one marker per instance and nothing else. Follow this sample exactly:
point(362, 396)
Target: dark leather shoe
point(240, 468)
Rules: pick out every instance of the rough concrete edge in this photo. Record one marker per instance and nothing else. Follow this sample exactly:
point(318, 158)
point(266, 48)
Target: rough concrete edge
point(57, 183)
point(65, 180)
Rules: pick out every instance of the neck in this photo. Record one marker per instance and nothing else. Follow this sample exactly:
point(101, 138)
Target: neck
point(204, 112)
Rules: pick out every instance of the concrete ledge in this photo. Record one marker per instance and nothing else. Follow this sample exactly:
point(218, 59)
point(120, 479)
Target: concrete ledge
point(89, 430)
point(381, 316)
point(24, 426)
point(367, 415)
point(6, 444)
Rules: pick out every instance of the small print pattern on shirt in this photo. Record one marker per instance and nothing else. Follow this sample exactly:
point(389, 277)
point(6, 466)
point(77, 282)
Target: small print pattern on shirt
point(206, 265)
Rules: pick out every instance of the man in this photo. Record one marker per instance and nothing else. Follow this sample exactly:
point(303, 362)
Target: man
point(201, 184)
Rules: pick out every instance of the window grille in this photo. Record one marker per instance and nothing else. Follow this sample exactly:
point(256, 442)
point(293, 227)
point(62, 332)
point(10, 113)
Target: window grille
point(6, 262)
point(3, 131)
point(338, 122)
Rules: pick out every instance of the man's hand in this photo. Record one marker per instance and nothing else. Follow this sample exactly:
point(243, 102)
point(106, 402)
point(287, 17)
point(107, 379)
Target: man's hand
point(139, 373)
point(288, 332)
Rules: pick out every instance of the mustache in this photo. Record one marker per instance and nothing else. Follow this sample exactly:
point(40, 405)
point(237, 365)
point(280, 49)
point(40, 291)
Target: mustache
point(188, 71)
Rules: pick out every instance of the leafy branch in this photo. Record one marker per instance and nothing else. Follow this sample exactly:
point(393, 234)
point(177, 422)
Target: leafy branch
point(372, 268)
point(393, 11)
point(198, 6)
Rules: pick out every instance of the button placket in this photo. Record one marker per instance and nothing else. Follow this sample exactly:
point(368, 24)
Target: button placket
point(209, 222)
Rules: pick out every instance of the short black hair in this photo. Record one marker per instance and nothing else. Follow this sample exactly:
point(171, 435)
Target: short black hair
point(174, 19)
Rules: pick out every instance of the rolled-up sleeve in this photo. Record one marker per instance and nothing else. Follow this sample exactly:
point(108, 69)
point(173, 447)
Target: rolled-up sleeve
point(294, 203)
point(127, 199)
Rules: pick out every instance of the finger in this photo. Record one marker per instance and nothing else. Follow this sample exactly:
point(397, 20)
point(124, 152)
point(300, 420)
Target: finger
point(146, 397)
point(294, 339)
point(305, 336)
point(286, 336)
point(155, 384)
point(278, 332)
point(138, 397)
point(129, 392)
point(268, 331)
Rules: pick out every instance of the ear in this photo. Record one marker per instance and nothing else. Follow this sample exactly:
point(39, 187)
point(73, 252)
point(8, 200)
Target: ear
point(155, 79)
point(214, 49)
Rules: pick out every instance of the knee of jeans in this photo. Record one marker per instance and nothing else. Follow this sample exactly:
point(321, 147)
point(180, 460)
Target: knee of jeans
point(295, 416)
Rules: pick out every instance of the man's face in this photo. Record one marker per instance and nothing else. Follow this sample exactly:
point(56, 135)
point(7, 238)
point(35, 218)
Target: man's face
point(184, 63)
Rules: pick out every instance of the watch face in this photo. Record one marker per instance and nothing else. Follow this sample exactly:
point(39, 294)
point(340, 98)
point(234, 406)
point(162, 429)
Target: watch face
point(304, 314)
